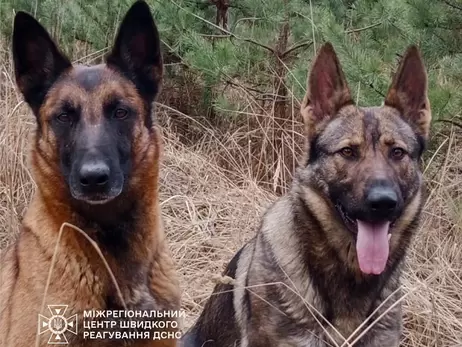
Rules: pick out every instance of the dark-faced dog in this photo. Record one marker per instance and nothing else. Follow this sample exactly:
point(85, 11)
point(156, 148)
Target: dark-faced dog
point(328, 255)
point(95, 160)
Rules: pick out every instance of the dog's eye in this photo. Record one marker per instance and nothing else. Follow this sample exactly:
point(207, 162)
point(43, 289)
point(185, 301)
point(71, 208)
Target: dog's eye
point(398, 153)
point(120, 113)
point(347, 152)
point(64, 118)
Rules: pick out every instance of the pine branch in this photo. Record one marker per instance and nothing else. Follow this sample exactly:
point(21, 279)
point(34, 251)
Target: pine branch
point(243, 20)
point(447, 2)
point(215, 36)
point(376, 90)
point(203, 5)
point(443, 27)
point(249, 89)
point(225, 31)
point(351, 31)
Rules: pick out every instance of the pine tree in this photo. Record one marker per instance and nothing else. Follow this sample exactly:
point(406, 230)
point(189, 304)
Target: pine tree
point(368, 35)
point(244, 62)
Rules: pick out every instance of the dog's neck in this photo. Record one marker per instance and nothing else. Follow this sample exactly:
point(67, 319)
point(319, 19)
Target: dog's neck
point(333, 270)
point(117, 226)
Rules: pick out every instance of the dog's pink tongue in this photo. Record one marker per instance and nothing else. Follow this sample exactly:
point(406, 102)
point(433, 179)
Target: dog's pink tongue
point(372, 247)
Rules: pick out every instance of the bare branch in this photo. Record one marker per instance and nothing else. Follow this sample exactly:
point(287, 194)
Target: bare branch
point(294, 48)
point(256, 43)
point(362, 29)
point(456, 124)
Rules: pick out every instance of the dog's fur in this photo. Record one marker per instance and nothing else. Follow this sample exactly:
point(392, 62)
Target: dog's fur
point(93, 123)
point(299, 281)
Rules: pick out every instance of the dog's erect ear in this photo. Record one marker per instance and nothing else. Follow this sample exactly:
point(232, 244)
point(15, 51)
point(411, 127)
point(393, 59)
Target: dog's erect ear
point(136, 52)
point(327, 89)
point(408, 92)
point(37, 61)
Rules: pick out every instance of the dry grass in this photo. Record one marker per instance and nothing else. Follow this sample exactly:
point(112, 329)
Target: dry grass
point(210, 213)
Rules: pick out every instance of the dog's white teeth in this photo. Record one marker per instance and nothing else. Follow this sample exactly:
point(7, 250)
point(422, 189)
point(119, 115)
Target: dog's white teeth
point(389, 237)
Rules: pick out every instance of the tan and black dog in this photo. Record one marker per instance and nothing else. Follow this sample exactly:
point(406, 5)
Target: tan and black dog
point(329, 252)
point(95, 159)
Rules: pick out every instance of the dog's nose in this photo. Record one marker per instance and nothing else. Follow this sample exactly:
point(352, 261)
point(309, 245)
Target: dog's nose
point(94, 174)
point(381, 201)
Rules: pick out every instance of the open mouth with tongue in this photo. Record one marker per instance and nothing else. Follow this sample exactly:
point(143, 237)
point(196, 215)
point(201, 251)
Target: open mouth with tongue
point(372, 242)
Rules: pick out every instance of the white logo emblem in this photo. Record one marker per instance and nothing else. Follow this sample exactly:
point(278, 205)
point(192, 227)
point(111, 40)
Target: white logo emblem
point(57, 324)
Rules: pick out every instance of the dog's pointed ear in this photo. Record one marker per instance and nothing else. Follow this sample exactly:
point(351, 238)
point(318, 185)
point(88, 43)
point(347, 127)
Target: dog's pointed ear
point(37, 61)
point(408, 92)
point(136, 52)
point(327, 89)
